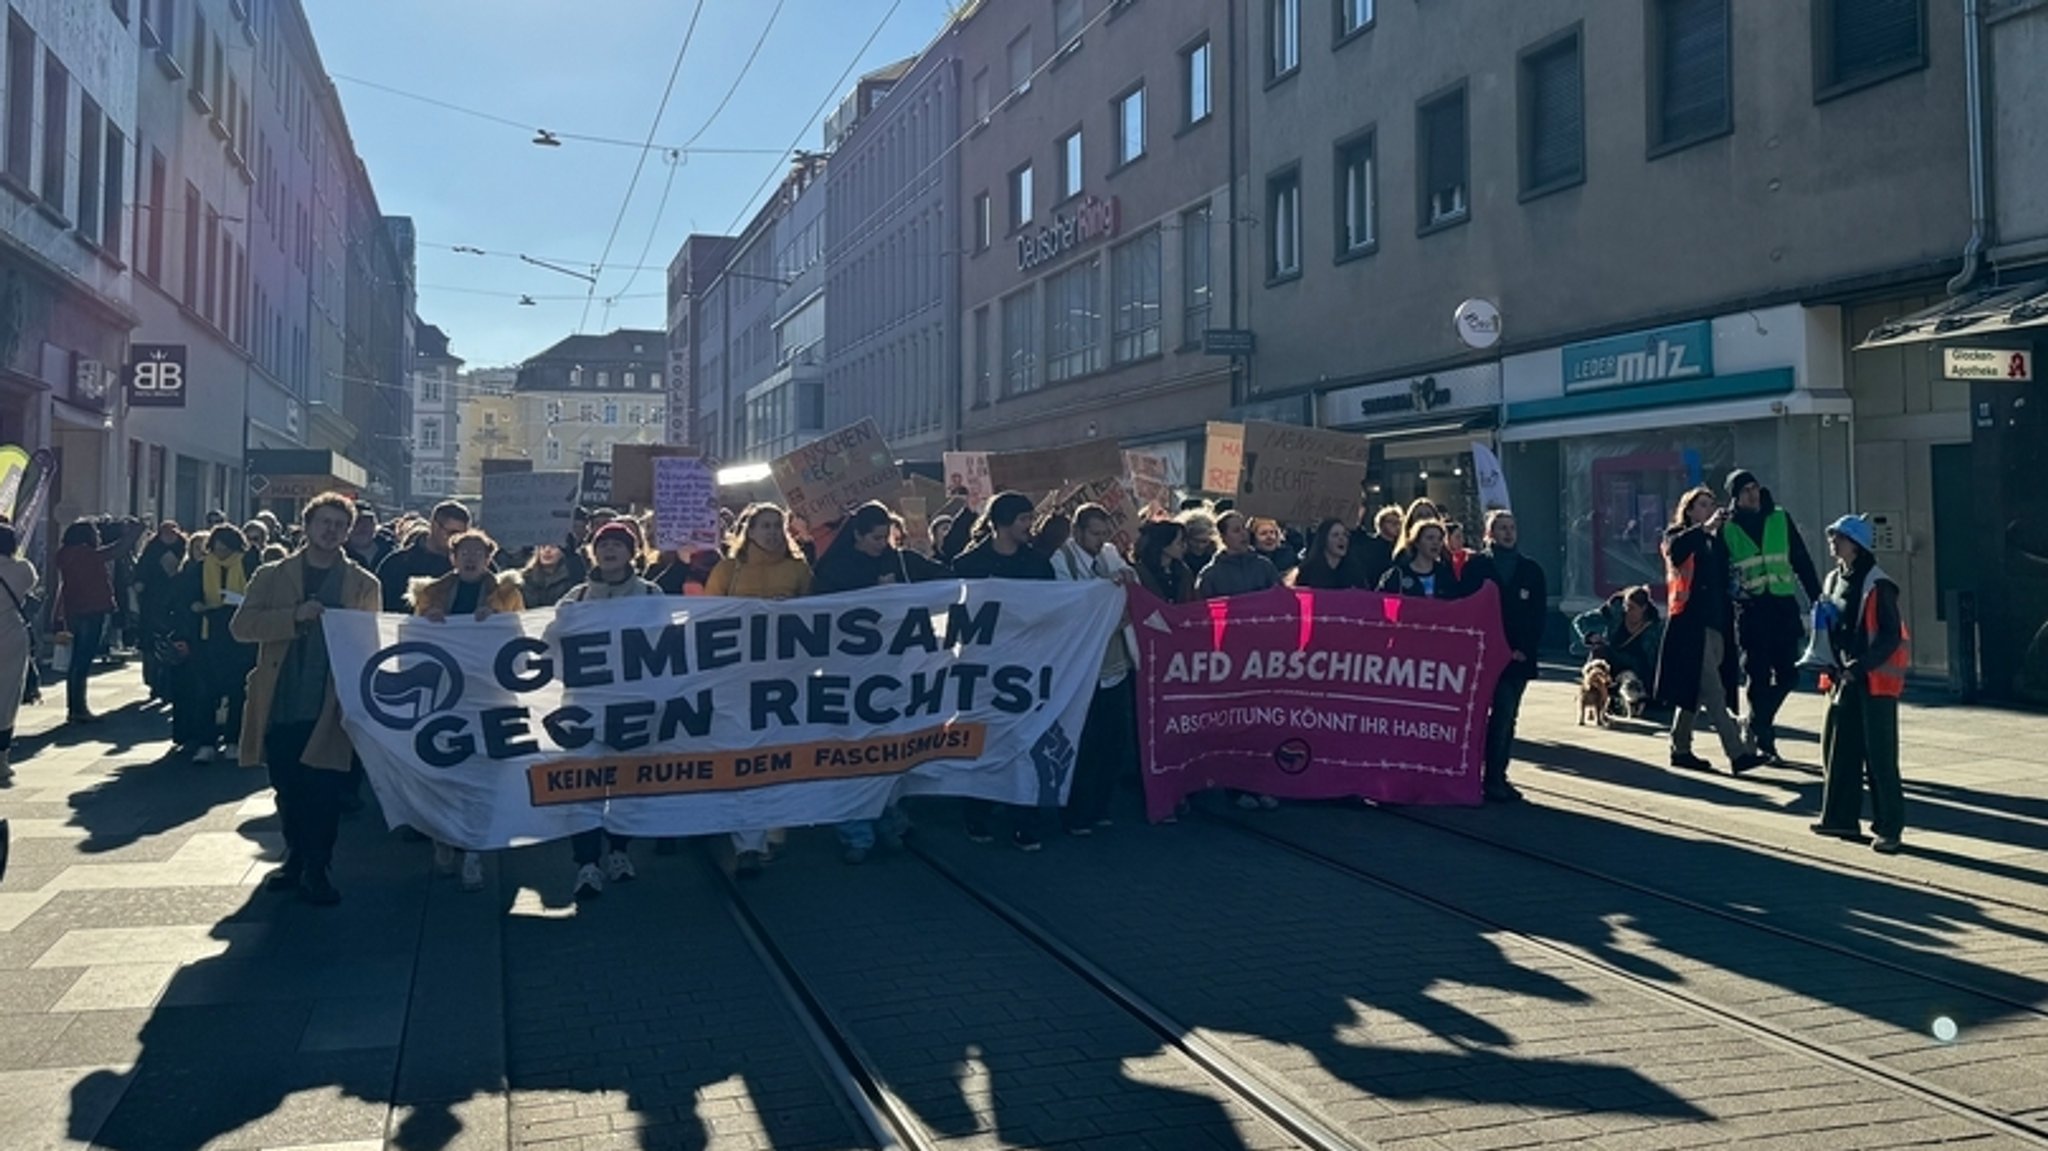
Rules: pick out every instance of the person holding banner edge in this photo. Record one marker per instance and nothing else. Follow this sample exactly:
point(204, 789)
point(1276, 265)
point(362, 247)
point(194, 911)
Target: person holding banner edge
point(1002, 550)
point(614, 548)
point(1109, 737)
point(292, 721)
point(1524, 606)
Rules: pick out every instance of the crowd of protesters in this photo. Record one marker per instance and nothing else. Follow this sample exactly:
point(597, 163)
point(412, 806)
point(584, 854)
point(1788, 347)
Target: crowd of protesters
point(226, 624)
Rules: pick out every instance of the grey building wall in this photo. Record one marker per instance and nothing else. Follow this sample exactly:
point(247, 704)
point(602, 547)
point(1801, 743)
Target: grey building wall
point(696, 264)
point(891, 336)
point(1155, 387)
point(2018, 50)
point(1802, 198)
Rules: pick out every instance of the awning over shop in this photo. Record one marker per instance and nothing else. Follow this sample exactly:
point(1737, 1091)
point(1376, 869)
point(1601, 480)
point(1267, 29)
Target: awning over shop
point(302, 473)
point(2008, 310)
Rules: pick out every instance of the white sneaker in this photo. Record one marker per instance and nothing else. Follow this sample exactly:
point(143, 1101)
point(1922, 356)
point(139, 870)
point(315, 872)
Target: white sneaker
point(589, 882)
point(1248, 802)
point(472, 871)
point(444, 859)
point(618, 868)
point(205, 754)
point(233, 754)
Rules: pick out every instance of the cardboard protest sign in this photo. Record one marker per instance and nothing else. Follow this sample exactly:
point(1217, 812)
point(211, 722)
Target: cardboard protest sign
point(967, 475)
point(931, 491)
point(633, 470)
point(832, 475)
point(528, 509)
point(1149, 477)
point(1223, 459)
point(917, 524)
point(685, 505)
point(596, 490)
point(1301, 475)
point(1054, 468)
point(1125, 517)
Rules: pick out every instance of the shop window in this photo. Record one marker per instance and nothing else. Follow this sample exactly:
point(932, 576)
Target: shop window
point(1134, 288)
point(1073, 321)
point(1620, 493)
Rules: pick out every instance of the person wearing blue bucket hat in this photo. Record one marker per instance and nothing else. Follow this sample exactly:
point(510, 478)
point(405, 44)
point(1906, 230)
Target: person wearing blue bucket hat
point(1859, 607)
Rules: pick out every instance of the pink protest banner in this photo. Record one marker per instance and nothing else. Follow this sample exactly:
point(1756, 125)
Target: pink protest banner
point(1316, 695)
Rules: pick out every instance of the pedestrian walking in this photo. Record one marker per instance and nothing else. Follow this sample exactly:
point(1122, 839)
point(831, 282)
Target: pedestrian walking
point(1771, 568)
point(1236, 568)
point(600, 856)
point(1524, 609)
point(1859, 740)
point(1002, 550)
point(292, 721)
point(1328, 563)
point(426, 557)
point(85, 602)
point(1696, 669)
point(160, 561)
point(17, 640)
point(1109, 737)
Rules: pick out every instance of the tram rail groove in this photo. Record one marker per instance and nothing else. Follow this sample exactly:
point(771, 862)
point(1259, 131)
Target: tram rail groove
point(1831, 862)
point(1736, 1020)
point(1265, 1098)
point(888, 1120)
point(1708, 909)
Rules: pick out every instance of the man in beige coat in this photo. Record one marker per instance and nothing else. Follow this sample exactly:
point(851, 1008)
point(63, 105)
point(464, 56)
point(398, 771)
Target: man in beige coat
point(293, 720)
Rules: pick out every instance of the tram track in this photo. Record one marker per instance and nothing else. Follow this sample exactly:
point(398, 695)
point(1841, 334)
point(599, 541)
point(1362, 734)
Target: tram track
point(894, 1124)
point(1993, 1119)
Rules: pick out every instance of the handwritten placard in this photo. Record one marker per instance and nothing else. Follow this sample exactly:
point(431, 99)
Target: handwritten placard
point(685, 505)
point(1223, 459)
point(1301, 475)
point(832, 475)
point(967, 476)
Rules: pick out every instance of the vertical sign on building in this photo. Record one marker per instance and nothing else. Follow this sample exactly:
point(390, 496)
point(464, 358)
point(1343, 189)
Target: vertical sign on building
point(679, 414)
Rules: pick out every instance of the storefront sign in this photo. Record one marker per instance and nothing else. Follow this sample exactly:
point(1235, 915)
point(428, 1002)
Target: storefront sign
point(1092, 219)
point(156, 376)
point(1395, 401)
point(1681, 352)
point(1478, 323)
point(1987, 364)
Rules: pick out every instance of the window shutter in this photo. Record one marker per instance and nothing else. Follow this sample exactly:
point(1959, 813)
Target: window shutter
point(1871, 35)
point(1694, 100)
point(1556, 124)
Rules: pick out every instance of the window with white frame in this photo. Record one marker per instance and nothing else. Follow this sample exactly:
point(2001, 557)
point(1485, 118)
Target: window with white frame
point(430, 387)
point(1134, 294)
point(1073, 321)
point(1357, 197)
point(984, 222)
point(430, 434)
point(1283, 37)
point(1020, 341)
point(630, 379)
point(551, 452)
point(1020, 197)
point(1353, 16)
point(586, 412)
point(1198, 103)
point(1130, 125)
point(1196, 294)
point(1283, 224)
point(1444, 161)
point(611, 412)
point(553, 411)
point(604, 378)
point(1070, 164)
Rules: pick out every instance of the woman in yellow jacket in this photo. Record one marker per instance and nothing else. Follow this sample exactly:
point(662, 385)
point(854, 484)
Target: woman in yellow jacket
point(762, 562)
point(471, 590)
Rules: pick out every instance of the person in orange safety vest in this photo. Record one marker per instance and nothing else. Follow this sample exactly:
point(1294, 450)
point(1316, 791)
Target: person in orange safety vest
point(1859, 607)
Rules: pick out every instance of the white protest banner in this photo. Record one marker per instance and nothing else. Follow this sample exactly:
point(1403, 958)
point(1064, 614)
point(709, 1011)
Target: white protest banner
point(832, 475)
point(1301, 475)
point(967, 475)
point(1493, 482)
point(1223, 458)
point(695, 716)
point(685, 504)
point(528, 509)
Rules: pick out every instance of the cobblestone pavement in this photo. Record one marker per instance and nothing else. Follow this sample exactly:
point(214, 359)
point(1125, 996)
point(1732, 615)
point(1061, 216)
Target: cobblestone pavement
point(1584, 969)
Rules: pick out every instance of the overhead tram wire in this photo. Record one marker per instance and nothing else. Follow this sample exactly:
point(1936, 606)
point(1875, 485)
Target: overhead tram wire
point(577, 137)
point(831, 94)
point(640, 165)
point(675, 161)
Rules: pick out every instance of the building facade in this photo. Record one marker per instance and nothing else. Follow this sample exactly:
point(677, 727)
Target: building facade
point(1094, 223)
point(1674, 208)
point(436, 427)
point(785, 406)
point(66, 288)
point(892, 335)
point(697, 265)
point(484, 414)
point(571, 403)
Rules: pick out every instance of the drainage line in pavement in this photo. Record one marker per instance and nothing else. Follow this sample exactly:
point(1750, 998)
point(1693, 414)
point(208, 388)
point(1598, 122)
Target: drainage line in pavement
point(1964, 1106)
point(1691, 904)
point(879, 1110)
point(1246, 1085)
point(1890, 877)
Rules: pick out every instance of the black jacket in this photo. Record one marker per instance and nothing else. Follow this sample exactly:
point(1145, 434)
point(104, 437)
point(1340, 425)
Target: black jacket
point(1524, 606)
point(1708, 607)
point(403, 566)
point(1401, 580)
point(983, 561)
point(848, 568)
point(1373, 555)
point(1317, 573)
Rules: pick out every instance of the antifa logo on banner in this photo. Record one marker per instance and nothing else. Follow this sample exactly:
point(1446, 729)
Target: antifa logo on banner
point(400, 694)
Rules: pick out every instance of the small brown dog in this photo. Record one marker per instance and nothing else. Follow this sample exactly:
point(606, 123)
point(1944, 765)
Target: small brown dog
point(1596, 686)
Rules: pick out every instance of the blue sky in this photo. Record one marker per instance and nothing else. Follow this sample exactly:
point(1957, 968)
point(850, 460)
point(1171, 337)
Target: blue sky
point(595, 67)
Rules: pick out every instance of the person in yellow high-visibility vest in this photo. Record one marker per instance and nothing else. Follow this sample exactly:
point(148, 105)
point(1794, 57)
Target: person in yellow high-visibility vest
point(1771, 566)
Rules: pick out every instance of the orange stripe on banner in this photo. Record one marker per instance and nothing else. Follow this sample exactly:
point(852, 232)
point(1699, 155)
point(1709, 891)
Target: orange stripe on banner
point(583, 780)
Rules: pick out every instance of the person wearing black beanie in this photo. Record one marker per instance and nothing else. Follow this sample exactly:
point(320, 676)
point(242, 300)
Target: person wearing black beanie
point(1771, 566)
